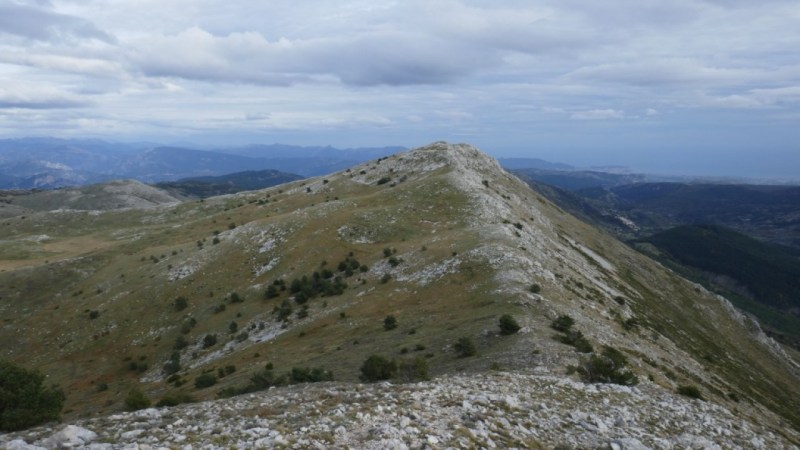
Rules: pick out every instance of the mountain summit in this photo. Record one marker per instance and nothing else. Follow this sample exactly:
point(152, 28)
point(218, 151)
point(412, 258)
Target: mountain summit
point(434, 255)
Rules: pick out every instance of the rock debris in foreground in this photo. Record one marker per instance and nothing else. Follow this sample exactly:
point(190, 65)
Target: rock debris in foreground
point(494, 410)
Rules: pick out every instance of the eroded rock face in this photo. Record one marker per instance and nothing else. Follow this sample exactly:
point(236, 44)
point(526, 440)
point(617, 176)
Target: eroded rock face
point(494, 410)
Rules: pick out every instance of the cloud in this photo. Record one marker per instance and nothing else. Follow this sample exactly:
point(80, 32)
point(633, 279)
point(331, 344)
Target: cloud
point(30, 97)
point(64, 63)
point(41, 25)
point(598, 114)
point(384, 58)
point(664, 71)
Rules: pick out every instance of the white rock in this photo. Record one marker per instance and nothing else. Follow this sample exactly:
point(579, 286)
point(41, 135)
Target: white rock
point(128, 435)
point(19, 444)
point(70, 436)
point(433, 440)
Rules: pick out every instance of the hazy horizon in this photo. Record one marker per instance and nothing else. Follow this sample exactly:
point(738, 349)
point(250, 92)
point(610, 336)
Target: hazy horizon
point(698, 87)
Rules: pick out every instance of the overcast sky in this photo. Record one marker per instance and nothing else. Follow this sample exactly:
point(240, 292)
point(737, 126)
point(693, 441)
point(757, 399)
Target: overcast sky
point(692, 86)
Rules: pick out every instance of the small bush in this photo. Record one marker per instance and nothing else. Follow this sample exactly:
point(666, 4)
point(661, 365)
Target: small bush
point(384, 180)
point(209, 340)
point(180, 343)
point(465, 347)
point(410, 370)
point(308, 375)
point(205, 380)
point(690, 391)
point(175, 399)
point(535, 288)
point(508, 325)
point(389, 323)
point(377, 368)
point(562, 323)
point(136, 400)
point(24, 401)
point(271, 292)
point(577, 340)
point(608, 367)
point(385, 278)
point(180, 303)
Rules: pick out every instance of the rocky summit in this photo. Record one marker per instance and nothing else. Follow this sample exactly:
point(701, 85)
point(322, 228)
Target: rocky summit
point(532, 328)
point(492, 410)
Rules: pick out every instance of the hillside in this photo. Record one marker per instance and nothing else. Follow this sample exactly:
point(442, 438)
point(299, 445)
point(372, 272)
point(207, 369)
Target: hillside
point(104, 196)
point(440, 238)
point(204, 187)
point(751, 271)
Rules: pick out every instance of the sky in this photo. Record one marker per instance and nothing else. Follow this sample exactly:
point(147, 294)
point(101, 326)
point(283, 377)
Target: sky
point(701, 87)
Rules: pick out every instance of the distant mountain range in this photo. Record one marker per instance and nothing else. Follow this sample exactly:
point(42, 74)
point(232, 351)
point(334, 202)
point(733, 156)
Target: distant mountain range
point(47, 163)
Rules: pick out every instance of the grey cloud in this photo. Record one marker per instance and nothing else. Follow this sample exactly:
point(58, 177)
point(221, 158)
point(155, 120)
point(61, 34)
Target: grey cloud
point(41, 25)
point(41, 104)
point(664, 71)
point(388, 58)
point(26, 96)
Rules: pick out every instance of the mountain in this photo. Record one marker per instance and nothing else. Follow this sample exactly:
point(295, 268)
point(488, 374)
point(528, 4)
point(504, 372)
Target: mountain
point(435, 258)
point(47, 163)
point(203, 187)
point(118, 194)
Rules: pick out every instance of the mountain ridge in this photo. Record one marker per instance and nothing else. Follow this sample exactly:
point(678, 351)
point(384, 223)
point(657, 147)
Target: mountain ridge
point(450, 243)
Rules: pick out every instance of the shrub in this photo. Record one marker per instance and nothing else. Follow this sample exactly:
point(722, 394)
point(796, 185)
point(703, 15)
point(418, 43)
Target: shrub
point(180, 343)
point(209, 340)
point(175, 399)
point(308, 375)
point(284, 310)
point(205, 380)
point(384, 180)
point(136, 400)
point(271, 292)
point(465, 347)
point(508, 325)
point(377, 368)
point(690, 391)
point(385, 278)
point(94, 314)
point(576, 339)
point(608, 367)
point(389, 323)
point(180, 303)
point(563, 323)
point(233, 327)
point(414, 369)
point(24, 401)
point(535, 288)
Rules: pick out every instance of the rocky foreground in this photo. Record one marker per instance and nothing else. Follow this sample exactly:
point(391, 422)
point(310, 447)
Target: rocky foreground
point(493, 410)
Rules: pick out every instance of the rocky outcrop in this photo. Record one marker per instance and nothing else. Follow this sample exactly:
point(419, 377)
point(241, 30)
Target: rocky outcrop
point(493, 410)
